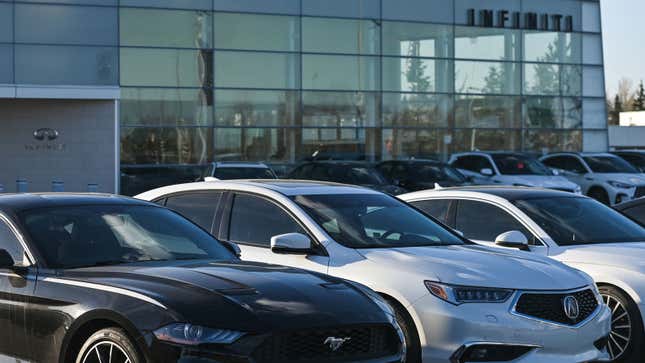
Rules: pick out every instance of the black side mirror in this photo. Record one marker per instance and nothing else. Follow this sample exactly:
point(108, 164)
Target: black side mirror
point(6, 261)
point(233, 248)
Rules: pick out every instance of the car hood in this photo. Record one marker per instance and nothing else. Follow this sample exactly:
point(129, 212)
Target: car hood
point(475, 265)
point(635, 179)
point(542, 181)
point(629, 255)
point(242, 295)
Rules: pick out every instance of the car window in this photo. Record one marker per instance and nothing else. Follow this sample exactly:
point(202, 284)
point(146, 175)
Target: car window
point(10, 243)
point(437, 208)
point(320, 172)
point(433, 173)
point(513, 164)
point(255, 220)
point(198, 207)
point(473, 163)
point(302, 172)
point(637, 161)
point(484, 222)
point(230, 173)
point(567, 163)
point(636, 213)
point(385, 169)
point(609, 164)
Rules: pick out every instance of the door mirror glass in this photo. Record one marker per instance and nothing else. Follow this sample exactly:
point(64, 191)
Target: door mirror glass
point(291, 244)
point(6, 261)
point(487, 172)
point(233, 247)
point(513, 239)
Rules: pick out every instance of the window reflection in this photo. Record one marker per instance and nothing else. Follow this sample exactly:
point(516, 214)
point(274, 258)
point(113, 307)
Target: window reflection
point(163, 28)
point(488, 112)
point(553, 112)
point(417, 39)
point(324, 35)
point(487, 43)
point(420, 110)
point(256, 32)
point(404, 143)
point(552, 47)
point(552, 141)
point(178, 145)
point(486, 139)
point(166, 107)
point(256, 108)
point(340, 109)
point(328, 72)
point(417, 75)
point(487, 77)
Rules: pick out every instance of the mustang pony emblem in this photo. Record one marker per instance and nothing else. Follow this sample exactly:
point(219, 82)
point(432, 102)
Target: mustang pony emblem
point(335, 343)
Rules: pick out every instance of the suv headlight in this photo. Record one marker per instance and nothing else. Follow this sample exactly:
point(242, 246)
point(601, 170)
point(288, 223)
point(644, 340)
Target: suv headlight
point(620, 185)
point(187, 334)
point(458, 295)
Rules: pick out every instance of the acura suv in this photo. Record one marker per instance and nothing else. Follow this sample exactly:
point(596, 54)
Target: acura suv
point(455, 301)
point(106, 279)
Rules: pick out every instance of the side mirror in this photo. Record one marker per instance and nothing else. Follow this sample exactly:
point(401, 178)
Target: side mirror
point(291, 244)
point(513, 239)
point(6, 261)
point(487, 172)
point(233, 247)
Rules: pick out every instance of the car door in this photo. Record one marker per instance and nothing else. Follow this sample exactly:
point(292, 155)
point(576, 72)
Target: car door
point(252, 220)
point(16, 293)
point(482, 222)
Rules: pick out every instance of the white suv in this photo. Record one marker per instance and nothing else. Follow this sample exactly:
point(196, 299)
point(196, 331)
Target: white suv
point(456, 301)
point(604, 177)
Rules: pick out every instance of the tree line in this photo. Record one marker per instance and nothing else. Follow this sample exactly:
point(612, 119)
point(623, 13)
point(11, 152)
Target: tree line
point(626, 99)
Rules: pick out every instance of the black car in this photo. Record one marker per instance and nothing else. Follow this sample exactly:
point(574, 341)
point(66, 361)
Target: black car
point(634, 209)
point(345, 172)
point(421, 174)
point(635, 157)
point(106, 279)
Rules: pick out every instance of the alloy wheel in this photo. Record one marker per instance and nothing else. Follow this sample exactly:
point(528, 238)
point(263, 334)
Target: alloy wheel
point(106, 352)
point(621, 327)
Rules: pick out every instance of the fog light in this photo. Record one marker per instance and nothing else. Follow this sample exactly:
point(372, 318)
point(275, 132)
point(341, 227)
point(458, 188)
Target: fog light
point(490, 353)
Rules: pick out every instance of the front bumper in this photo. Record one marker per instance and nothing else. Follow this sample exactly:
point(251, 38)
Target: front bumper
point(448, 329)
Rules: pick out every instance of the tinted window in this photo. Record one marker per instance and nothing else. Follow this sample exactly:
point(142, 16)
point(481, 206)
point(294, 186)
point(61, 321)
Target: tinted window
point(255, 220)
point(567, 163)
point(374, 221)
point(472, 163)
point(576, 221)
point(637, 161)
point(637, 213)
point(228, 173)
point(70, 237)
point(430, 173)
point(198, 207)
point(609, 164)
point(519, 165)
point(435, 207)
point(10, 243)
point(484, 222)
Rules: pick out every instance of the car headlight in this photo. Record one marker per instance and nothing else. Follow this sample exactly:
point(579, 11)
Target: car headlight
point(458, 295)
point(620, 185)
point(188, 334)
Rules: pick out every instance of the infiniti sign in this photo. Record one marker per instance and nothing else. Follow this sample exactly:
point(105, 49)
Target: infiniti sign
point(46, 137)
point(45, 133)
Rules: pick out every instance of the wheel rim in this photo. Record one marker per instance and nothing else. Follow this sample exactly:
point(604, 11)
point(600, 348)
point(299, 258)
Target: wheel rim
point(106, 352)
point(621, 327)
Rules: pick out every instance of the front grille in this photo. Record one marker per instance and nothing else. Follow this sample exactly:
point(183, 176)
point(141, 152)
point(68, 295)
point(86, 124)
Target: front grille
point(366, 342)
point(640, 192)
point(550, 307)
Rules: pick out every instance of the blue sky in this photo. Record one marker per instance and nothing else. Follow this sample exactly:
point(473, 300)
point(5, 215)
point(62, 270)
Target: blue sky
point(624, 41)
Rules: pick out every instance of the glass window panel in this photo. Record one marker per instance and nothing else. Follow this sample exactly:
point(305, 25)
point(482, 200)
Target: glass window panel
point(256, 108)
point(171, 145)
point(417, 39)
point(488, 112)
point(462, 7)
point(417, 75)
point(595, 141)
point(570, 80)
point(83, 2)
point(487, 77)
point(590, 16)
point(165, 107)
point(165, 28)
point(6, 63)
point(592, 49)
point(170, 4)
point(239, 70)
point(554, 112)
point(487, 43)
point(552, 47)
point(57, 24)
point(440, 11)
point(259, 6)
point(572, 113)
point(542, 79)
point(543, 142)
point(256, 32)
point(255, 144)
point(6, 23)
point(165, 67)
point(405, 143)
point(486, 140)
point(324, 35)
point(562, 7)
point(417, 110)
point(341, 144)
point(343, 8)
point(66, 65)
point(327, 72)
point(340, 109)
point(593, 82)
point(595, 113)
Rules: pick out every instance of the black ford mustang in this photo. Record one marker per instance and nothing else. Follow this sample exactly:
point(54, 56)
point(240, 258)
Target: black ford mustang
point(105, 279)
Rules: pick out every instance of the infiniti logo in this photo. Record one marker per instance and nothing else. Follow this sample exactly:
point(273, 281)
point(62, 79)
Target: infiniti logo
point(45, 133)
point(335, 343)
point(571, 307)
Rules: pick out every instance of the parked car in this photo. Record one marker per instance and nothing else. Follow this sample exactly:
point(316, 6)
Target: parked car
point(230, 170)
point(345, 172)
point(570, 228)
point(100, 279)
point(634, 209)
point(604, 177)
point(136, 179)
point(456, 301)
point(421, 174)
point(504, 168)
point(635, 158)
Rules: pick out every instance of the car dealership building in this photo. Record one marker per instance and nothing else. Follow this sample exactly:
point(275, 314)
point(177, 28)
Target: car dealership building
point(90, 86)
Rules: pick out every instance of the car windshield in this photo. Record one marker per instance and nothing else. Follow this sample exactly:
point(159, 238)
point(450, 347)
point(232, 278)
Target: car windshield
point(94, 235)
point(578, 221)
point(374, 221)
point(363, 176)
point(232, 173)
point(519, 165)
point(430, 173)
point(609, 164)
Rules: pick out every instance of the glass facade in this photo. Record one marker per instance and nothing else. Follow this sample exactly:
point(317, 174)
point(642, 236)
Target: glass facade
point(277, 80)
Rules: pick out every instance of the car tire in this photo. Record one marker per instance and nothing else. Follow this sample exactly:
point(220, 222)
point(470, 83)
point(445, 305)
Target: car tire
point(112, 344)
point(628, 324)
point(412, 342)
point(600, 195)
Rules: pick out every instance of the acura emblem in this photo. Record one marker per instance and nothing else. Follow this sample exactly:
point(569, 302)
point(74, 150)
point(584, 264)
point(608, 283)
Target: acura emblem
point(571, 307)
point(335, 343)
point(45, 133)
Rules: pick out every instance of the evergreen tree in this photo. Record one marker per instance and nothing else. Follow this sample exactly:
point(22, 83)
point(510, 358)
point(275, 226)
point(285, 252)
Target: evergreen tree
point(639, 102)
point(618, 105)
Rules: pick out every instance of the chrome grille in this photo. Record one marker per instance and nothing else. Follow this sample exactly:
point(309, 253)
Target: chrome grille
point(550, 306)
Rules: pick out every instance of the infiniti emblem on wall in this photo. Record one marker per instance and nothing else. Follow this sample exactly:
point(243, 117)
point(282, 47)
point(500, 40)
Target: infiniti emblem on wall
point(571, 307)
point(45, 134)
point(335, 343)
